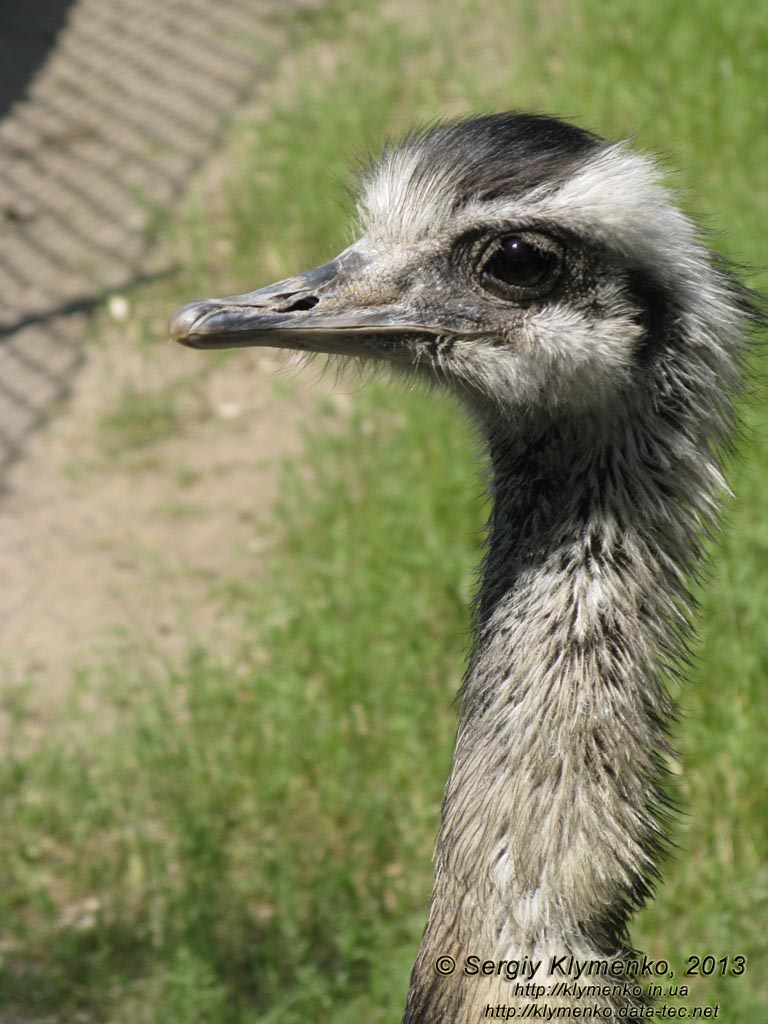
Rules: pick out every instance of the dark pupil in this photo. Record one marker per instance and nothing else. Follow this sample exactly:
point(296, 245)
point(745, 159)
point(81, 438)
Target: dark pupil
point(519, 263)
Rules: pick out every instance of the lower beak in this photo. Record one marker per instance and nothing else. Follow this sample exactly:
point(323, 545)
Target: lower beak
point(319, 311)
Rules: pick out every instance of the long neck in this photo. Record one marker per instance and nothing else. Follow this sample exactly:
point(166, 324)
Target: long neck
point(553, 812)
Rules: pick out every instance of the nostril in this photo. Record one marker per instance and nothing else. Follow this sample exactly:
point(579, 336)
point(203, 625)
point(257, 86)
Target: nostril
point(307, 302)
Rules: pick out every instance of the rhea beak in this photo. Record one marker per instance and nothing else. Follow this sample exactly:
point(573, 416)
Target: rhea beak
point(335, 308)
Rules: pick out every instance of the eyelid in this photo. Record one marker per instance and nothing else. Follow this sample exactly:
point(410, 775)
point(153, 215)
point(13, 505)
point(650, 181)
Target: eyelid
point(484, 243)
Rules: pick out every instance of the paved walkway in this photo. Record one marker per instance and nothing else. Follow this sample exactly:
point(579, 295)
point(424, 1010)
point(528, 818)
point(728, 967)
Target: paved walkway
point(112, 105)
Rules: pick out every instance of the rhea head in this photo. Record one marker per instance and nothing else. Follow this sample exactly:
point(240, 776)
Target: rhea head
point(520, 260)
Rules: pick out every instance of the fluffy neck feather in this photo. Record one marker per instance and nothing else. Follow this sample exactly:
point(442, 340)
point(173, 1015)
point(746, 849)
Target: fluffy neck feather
point(553, 815)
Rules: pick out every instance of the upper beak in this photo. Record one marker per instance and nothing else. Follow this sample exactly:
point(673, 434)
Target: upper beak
point(329, 309)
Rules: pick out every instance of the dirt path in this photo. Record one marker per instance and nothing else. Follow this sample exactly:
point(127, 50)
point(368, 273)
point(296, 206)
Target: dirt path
point(106, 542)
point(94, 152)
point(102, 549)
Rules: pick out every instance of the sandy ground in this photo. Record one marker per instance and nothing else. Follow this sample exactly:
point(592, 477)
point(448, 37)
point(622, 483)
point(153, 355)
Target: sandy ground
point(108, 546)
point(103, 548)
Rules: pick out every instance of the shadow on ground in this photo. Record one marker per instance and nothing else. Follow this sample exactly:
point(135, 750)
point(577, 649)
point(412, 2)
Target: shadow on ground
point(107, 107)
point(25, 40)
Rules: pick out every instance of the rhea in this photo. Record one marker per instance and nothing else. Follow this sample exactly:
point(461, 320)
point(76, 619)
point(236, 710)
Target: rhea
point(545, 277)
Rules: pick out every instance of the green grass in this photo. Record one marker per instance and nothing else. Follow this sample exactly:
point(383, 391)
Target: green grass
point(250, 841)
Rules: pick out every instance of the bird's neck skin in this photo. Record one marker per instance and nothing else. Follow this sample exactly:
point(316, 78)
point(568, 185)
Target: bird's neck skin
point(550, 825)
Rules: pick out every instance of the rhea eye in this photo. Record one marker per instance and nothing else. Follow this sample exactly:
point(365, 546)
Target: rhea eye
point(523, 264)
